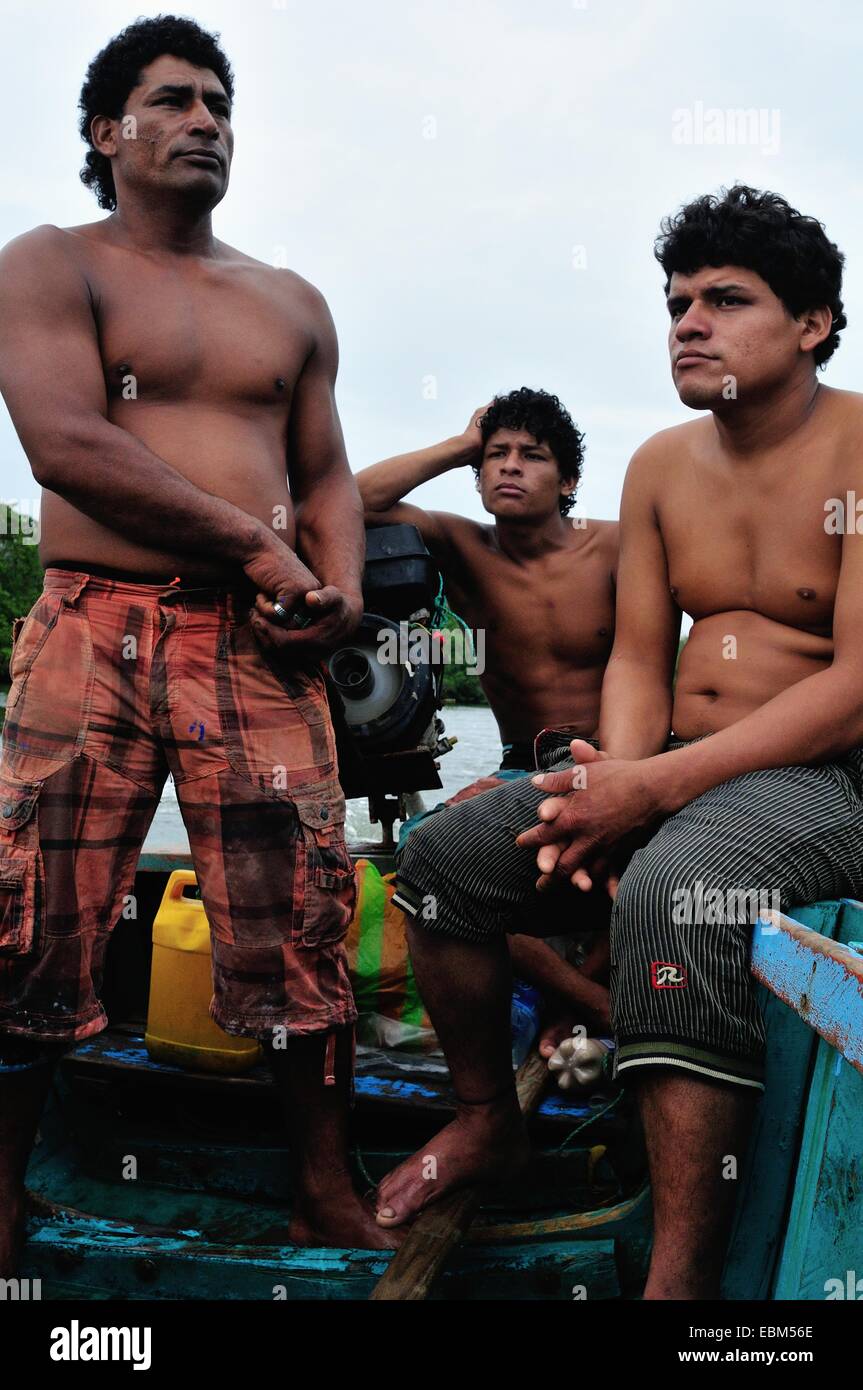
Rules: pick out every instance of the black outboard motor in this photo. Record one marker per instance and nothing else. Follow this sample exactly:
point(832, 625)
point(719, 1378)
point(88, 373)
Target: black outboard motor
point(385, 690)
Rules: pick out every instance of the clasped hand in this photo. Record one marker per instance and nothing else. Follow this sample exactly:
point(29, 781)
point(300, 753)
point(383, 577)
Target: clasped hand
point(280, 574)
point(591, 821)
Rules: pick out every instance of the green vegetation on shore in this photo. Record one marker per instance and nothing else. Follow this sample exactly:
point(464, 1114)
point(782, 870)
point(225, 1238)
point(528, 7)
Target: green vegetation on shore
point(459, 685)
point(20, 578)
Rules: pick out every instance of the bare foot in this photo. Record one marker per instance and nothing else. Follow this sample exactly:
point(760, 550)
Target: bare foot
point(12, 1233)
point(342, 1219)
point(484, 1144)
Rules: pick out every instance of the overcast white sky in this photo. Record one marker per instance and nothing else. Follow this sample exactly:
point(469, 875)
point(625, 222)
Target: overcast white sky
point(453, 257)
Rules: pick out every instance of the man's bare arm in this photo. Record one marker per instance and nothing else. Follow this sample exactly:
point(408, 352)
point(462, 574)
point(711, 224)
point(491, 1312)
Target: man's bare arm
point(635, 715)
point(330, 530)
point(52, 379)
point(384, 484)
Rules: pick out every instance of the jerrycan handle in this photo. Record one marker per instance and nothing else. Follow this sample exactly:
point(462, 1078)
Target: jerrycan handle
point(175, 925)
point(177, 884)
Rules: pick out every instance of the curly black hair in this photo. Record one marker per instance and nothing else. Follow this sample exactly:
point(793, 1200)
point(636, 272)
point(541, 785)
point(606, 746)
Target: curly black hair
point(116, 71)
point(543, 416)
point(762, 232)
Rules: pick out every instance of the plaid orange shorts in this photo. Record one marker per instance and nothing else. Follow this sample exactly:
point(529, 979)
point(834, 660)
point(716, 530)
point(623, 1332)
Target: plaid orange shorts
point(114, 686)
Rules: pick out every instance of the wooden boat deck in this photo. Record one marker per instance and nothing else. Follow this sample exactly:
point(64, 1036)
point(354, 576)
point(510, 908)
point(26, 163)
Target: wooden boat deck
point(206, 1214)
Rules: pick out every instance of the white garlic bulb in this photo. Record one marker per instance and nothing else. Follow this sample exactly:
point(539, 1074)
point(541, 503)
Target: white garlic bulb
point(578, 1061)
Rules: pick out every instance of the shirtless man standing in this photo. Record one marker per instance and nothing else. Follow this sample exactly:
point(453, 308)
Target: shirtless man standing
point(732, 518)
point(541, 586)
point(166, 388)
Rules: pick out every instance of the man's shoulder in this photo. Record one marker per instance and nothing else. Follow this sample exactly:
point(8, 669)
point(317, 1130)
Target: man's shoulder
point(465, 530)
point(605, 531)
point(39, 240)
point(41, 257)
point(840, 427)
point(602, 533)
point(280, 280)
point(662, 450)
point(467, 543)
point(846, 406)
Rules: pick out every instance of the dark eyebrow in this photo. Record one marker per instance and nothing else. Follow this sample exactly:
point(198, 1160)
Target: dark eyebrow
point(677, 301)
point(185, 89)
point(525, 448)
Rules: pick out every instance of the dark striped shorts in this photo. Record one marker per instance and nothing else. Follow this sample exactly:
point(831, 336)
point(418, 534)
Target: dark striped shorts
point(114, 686)
point(682, 923)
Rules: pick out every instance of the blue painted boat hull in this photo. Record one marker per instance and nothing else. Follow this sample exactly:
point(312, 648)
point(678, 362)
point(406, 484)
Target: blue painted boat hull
point(206, 1213)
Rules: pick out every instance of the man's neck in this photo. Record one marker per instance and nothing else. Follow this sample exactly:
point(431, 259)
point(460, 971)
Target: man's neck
point(173, 228)
point(522, 542)
point(747, 428)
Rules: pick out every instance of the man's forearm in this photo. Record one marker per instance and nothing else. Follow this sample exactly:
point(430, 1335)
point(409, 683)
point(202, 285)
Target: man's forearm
point(635, 714)
point(384, 484)
point(111, 476)
point(811, 722)
point(331, 535)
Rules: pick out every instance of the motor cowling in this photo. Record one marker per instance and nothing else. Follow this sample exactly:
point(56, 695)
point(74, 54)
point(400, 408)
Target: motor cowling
point(384, 702)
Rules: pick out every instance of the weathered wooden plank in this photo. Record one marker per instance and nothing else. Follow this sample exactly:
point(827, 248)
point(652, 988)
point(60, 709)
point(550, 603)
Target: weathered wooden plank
point(90, 1258)
point(606, 1221)
point(821, 979)
point(822, 1254)
point(553, 1182)
point(396, 1080)
point(768, 1172)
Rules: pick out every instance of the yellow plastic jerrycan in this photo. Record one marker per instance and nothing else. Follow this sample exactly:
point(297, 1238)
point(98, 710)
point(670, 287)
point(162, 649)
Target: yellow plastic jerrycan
point(179, 1027)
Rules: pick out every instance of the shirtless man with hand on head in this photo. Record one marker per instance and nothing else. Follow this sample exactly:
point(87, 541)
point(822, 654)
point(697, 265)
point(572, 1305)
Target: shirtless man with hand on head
point(540, 585)
point(167, 388)
point(760, 788)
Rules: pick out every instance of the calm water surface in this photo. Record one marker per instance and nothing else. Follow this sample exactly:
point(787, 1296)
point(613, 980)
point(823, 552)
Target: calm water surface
point(476, 753)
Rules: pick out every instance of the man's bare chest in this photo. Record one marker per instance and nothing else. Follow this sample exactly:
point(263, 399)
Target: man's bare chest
point(566, 608)
point(763, 545)
point(211, 336)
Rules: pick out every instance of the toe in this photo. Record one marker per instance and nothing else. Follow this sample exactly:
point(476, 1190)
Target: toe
point(393, 1215)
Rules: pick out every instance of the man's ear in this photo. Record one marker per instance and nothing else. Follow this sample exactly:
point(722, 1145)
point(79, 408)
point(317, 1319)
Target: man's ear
point(103, 132)
point(817, 326)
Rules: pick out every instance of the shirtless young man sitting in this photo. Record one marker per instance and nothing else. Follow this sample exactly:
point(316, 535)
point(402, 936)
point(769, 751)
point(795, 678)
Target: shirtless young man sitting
point(166, 388)
point(541, 588)
point(730, 518)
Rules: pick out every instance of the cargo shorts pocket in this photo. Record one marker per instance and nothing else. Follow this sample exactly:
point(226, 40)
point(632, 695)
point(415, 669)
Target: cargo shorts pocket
point(52, 669)
point(325, 891)
point(304, 685)
point(30, 633)
point(21, 889)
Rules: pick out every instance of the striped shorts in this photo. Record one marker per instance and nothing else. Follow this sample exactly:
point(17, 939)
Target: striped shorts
point(681, 926)
point(114, 686)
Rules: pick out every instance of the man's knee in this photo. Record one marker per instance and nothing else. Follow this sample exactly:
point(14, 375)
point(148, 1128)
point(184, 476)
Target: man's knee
point(671, 883)
point(429, 848)
point(651, 887)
